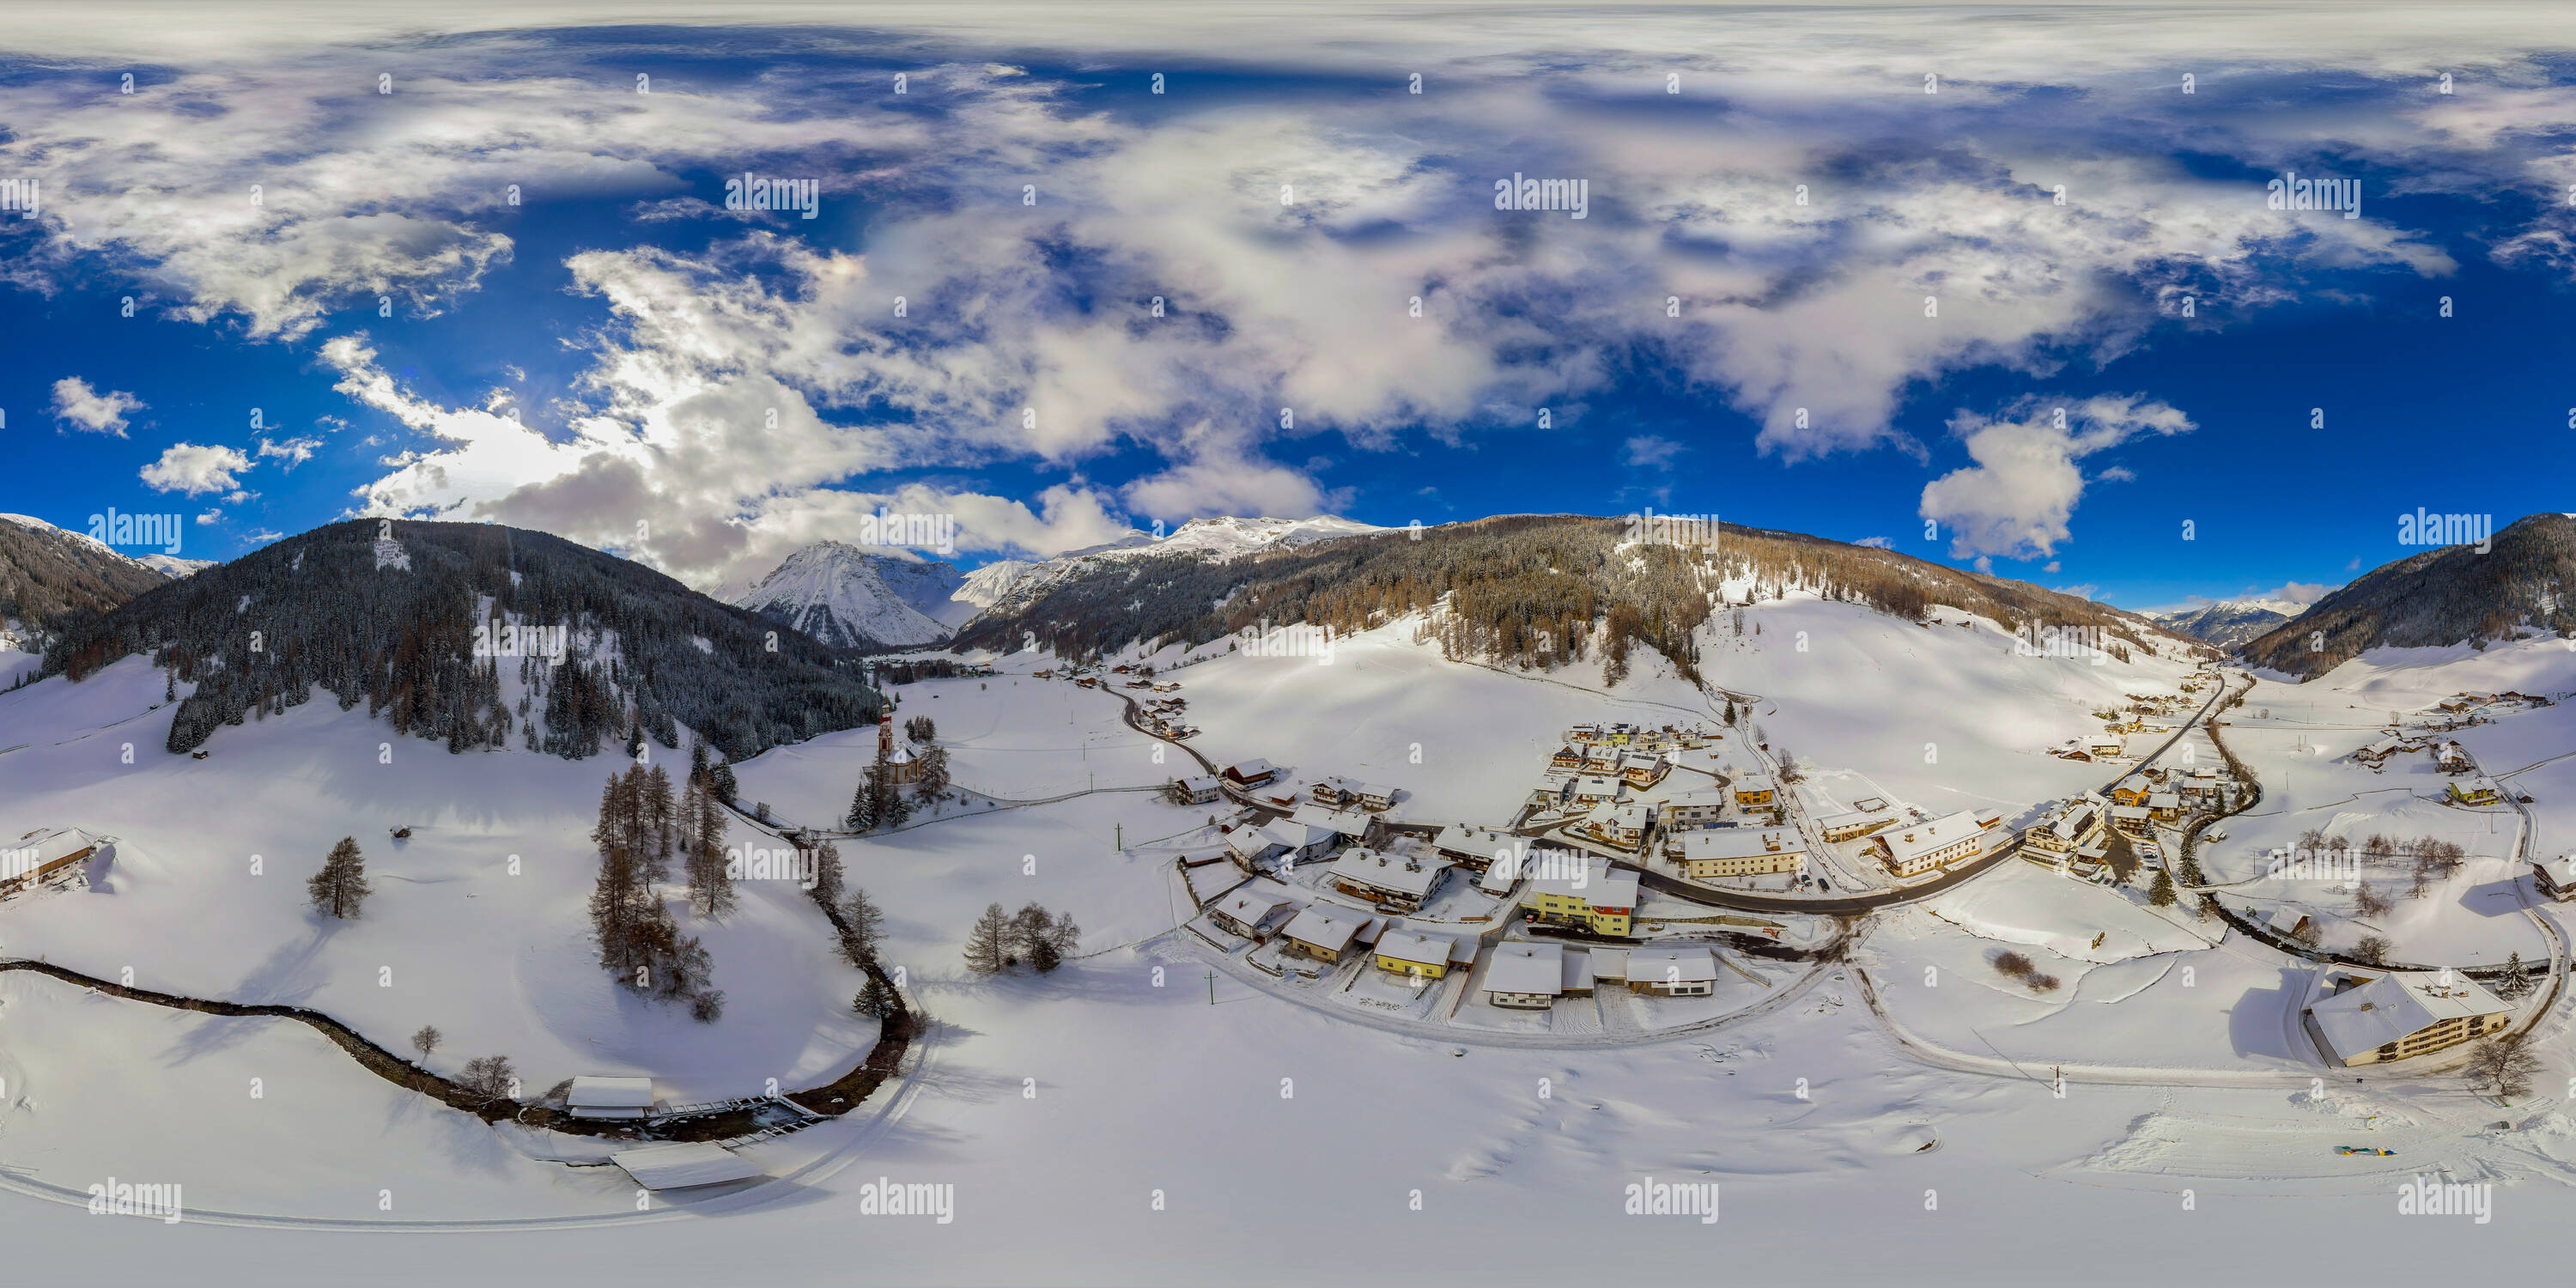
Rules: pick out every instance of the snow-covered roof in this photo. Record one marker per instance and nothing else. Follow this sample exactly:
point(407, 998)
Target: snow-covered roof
point(1411, 874)
point(1602, 887)
point(1740, 843)
point(1414, 946)
point(1483, 842)
point(1614, 814)
point(1250, 908)
point(1200, 783)
point(1754, 783)
point(2134, 783)
point(610, 1093)
point(1600, 785)
point(1578, 969)
point(1248, 769)
point(678, 1166)
point(2164, 800)
point(1252, 841)
point(2394, 1005)
point(2075, 820)
point(1343, 821)
point(1609, 963)
point(1526, 968)
point(1671, 966)
point(2129, 811)
point(1923, 838)
point(51, 846)
point(1703, 796)
point(1854, 818)
point(1327, 928)
point(1354, 787)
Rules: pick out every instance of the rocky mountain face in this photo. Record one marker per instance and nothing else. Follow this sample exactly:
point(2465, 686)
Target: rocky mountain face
point(2227, 623)
point(2444, 596)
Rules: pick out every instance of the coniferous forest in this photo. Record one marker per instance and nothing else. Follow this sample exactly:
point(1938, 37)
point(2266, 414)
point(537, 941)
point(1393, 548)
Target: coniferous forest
point(393, 623)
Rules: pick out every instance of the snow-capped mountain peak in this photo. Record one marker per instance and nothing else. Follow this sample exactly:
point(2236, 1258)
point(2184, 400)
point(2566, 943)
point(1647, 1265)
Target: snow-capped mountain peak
point(848, 597)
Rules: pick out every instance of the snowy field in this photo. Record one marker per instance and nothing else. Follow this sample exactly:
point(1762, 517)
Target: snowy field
point(1142, 1105)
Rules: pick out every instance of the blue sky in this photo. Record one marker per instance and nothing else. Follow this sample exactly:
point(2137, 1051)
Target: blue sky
point(618, 358)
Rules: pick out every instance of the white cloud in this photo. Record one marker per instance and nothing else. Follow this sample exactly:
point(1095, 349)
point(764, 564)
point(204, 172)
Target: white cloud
point(2017, 498)
point(1650, 451)
point(194, 470)
point(294, 451)
point(1879, 542)
point(88, 409)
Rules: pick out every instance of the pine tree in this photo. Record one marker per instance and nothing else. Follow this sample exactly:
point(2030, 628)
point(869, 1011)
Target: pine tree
point(989, 942)
point(2517, 980)
point(341, 886)
point(2161, 894)
point(721, 776)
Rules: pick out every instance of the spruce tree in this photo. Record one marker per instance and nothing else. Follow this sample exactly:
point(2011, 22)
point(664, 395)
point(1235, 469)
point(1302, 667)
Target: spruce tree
point(877, 998)
point(2161, 894)
point(341, 886)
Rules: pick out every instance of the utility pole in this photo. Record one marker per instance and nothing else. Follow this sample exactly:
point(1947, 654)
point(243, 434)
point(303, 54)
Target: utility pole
point(1211, 988)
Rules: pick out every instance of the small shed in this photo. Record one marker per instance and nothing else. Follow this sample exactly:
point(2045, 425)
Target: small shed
point(605, 1097)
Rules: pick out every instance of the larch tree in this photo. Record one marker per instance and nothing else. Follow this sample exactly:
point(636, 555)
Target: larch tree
point(341, 886)
point(988, 943)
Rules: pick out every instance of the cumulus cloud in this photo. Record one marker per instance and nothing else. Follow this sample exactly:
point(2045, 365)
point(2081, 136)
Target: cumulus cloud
point(2016, 499)
point(82, 407)
point(294, 451)
point(194, 471)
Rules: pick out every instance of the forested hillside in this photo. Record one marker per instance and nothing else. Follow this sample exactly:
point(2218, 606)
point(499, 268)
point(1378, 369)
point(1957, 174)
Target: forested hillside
point(394, 624)
point(1528, 590)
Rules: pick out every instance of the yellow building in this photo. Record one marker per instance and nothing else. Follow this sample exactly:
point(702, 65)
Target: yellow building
point(1406, 952)
point(1596, 898)
point(1753, 789)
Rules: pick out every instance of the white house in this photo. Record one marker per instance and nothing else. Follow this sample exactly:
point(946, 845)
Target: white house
point(1525, 976)
point(599, 1097)
point(1692, 809)
point(1352, 826)
point(1340, 791)
point(1252, 843)
point(1925, 846)
point(1249, 913)
point(1195, 791)
point(1672, 972)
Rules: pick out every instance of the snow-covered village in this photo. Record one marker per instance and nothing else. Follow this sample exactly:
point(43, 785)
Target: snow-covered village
point(1015, 647)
